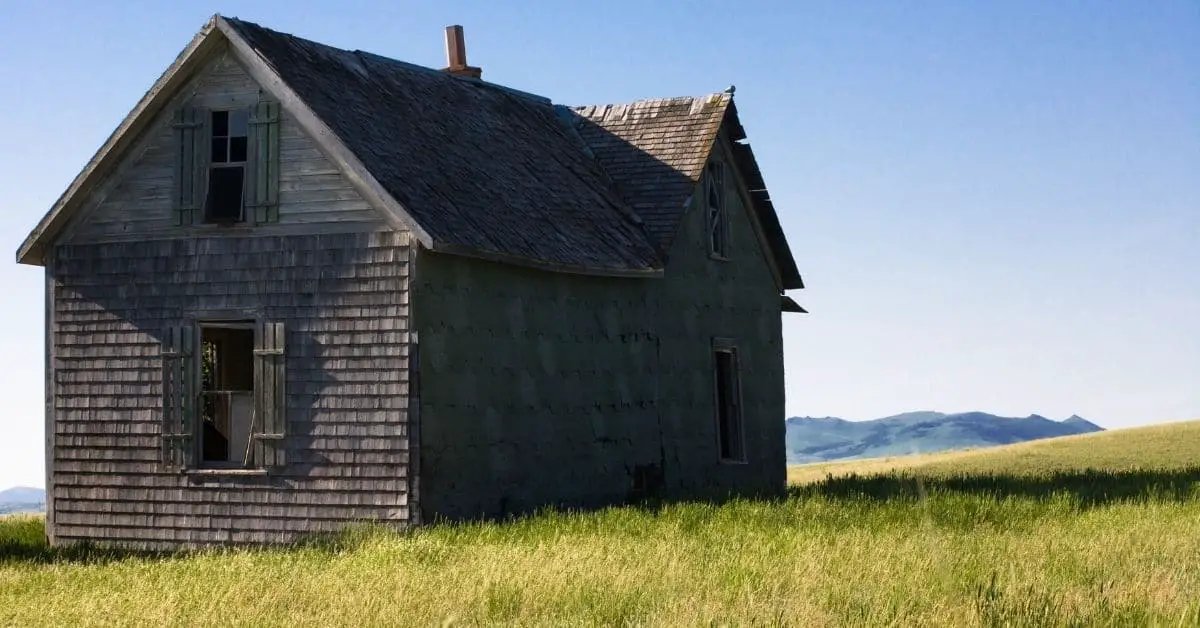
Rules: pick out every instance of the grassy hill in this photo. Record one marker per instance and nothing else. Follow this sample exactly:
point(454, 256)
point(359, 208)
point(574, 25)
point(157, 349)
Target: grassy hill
point(1091, 530)
point(1164, 447)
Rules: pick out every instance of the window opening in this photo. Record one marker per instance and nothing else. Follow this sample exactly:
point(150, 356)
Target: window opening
point(227, 392)
point(227, 171)
point(717, 215)
point(728, 398)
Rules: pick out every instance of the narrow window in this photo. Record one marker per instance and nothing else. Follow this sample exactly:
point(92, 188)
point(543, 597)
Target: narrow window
point(227, 392)
point(227, 171)
point(729, 406)
point(718, 219)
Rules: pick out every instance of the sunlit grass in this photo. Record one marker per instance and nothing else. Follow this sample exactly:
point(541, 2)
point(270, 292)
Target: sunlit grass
point(967, 546)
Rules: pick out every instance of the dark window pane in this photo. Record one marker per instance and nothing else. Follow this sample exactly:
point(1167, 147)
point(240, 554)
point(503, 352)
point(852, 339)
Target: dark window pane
point(224, 201)
point(237, 149)
point(239, 123)
point(220, 148)
point(220, 123)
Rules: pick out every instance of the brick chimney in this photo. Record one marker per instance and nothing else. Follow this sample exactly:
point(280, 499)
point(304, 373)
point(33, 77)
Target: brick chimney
point(456, 54)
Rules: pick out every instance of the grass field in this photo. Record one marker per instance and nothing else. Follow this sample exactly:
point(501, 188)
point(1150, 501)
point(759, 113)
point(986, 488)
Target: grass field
point(1082, 531)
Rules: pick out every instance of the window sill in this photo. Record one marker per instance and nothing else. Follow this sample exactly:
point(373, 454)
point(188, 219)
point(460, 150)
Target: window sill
point(236, 472)
point(718, 257)
point(732, 462)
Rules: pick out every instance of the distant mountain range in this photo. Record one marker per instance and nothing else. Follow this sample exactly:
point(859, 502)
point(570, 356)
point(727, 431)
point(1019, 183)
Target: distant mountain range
point(812, 439)
point(22, 499)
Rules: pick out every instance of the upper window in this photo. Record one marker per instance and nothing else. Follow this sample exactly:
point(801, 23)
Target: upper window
point(227, 165)
point(227, 169)
point(718, 214)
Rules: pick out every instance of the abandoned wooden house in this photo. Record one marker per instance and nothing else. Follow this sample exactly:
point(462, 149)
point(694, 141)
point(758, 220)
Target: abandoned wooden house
point(300, 287)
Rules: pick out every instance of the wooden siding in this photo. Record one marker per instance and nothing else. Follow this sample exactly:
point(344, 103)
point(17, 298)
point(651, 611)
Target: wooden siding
point(738, 300)
point(313, 195)
point(343, 299)
point(544, 388)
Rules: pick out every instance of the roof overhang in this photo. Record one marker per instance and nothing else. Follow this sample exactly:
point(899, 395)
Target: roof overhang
point(216, 33)
point(789, 305)
point(770, 231)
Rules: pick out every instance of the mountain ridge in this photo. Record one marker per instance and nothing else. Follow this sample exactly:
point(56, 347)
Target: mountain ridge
point(822, 439)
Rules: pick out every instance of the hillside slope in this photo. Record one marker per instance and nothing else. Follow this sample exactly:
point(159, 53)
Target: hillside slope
point(824, 439)
point(1170, 446)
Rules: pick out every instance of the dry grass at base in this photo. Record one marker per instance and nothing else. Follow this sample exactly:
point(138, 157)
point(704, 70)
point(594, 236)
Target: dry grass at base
point(986, 547)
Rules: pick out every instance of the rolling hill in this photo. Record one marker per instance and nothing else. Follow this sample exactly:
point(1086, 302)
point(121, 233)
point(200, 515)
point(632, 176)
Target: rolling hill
point(812, 439)
point(22, 499)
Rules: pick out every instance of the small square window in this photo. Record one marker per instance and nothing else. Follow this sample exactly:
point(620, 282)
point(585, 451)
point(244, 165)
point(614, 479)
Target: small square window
point(237, 150)
point(220, 124)
point(220, 150)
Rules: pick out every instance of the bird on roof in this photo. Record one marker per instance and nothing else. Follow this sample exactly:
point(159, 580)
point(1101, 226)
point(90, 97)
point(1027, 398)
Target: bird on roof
point(729, 90)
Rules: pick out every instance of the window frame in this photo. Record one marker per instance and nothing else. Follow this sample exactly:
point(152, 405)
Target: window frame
point(716, 182)
point(223, 322)
point(225, 317)
point(211, 164)
point(728, 346)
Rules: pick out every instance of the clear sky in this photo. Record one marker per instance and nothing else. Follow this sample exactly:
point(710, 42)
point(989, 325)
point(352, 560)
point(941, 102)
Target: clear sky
point(995, 206)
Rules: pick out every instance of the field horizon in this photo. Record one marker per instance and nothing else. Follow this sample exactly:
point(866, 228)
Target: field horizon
point(1081, 530)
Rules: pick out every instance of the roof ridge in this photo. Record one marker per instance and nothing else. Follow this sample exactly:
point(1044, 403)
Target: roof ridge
point(668, 100)
point(407, 64)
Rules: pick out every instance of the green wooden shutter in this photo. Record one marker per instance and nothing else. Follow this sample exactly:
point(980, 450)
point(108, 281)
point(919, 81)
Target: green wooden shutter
point(262, 167)
point(180, 396)
point(269, 428)
point(191, 164)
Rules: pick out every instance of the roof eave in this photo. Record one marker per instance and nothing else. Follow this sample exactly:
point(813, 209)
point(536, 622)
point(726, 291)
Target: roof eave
point(33, 249)
point(764, 209)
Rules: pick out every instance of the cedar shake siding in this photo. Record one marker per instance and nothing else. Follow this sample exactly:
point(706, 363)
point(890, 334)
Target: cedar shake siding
point(343, 303)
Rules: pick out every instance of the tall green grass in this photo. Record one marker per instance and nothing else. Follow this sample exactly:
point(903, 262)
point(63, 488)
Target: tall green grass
point(962, 548)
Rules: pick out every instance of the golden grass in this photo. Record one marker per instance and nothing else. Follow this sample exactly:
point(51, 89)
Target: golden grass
point(1115, 546)
point(1166, 446)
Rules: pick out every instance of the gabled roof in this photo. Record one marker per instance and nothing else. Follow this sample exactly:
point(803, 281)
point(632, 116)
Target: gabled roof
point(655, 151)
point(470, 167)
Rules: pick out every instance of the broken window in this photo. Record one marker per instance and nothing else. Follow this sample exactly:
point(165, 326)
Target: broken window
point(728, 396)
point(227, 392)
point(227, 166)
point(224, 395)
point(718, 218)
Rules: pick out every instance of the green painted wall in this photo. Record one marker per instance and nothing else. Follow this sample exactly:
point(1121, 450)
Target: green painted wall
point(546, 388)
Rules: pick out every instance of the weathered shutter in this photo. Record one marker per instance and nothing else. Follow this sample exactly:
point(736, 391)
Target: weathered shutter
point(180, 396)
point(191, 164)
point(269, 429)
point(262, 165)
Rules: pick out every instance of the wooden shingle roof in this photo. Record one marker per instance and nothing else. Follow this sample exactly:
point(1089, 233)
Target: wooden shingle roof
point(480, 168)
point(473, 168)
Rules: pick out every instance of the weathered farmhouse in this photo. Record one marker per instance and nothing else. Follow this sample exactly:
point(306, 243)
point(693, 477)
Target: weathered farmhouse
point(301, 286)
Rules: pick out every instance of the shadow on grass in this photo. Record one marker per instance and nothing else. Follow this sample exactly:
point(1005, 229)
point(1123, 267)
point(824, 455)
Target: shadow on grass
point(1089, 487)
point(23, 540)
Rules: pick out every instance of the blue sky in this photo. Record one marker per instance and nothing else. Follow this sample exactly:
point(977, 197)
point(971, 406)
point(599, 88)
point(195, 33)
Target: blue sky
point(995, 206)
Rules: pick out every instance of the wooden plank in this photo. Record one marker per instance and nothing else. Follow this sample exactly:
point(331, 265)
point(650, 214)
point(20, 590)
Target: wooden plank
point(280, 425)
point(50, 422)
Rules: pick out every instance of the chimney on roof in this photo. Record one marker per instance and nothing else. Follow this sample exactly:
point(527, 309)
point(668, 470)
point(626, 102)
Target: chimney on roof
point(456, 54)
